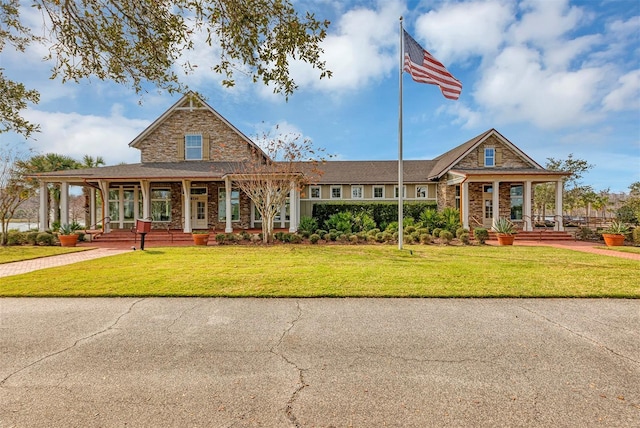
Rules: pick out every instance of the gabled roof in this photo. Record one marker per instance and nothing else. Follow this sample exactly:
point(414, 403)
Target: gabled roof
point(447, 160)
point(194, 102)
point(372, 172)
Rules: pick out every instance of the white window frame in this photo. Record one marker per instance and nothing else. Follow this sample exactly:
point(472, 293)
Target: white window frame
point(165, 199)
point(404, 192)
point(353, 192)
point(426, 191)
point(339, 188)
point(222, 206)
point(489, 154)
point(373, 192)
point(187, 137)
point(311, 189)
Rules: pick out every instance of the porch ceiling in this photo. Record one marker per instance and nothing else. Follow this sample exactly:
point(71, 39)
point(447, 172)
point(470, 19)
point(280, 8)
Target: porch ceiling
point(488, 174)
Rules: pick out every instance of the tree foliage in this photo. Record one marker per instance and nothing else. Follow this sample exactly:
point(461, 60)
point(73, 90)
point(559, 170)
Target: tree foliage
point(574, 193)
point(135, 42)
point(13, 188)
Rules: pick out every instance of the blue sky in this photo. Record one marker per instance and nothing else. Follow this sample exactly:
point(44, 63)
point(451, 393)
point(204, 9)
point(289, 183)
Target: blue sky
point(553, 76)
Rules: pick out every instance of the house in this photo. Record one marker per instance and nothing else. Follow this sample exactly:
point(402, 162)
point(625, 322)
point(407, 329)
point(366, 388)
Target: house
point(184, 180)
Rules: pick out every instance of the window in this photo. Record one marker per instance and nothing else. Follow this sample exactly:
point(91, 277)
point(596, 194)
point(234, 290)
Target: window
point(458, 197)
point(235, 205)
point(314, 192)
point(404, 192)
point(488, 188)
point(489, 156)
point(422, 192)
point(193, 147)
point(336, 192)
point(516, 202)
point(114, 205)
point(160, 204)
point(356, 192)
point(378, 192)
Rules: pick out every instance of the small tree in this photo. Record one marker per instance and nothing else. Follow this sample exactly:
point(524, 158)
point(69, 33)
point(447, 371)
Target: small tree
point(286, 164)
point(13, 189)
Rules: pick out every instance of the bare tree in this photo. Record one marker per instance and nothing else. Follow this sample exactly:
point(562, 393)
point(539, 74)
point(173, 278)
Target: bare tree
point(13, 189)
point(289, 165)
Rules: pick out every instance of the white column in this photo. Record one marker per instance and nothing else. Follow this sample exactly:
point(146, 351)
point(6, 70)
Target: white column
point(558, 219)
point(92, 207)
point(293, 209)
point(186, 205)
point(145, 189)
point(496, 201)
point(465, 204)
point(64, 203)
point(526, 206)
point(227, 187)
point(106, 221)
point(44, 207)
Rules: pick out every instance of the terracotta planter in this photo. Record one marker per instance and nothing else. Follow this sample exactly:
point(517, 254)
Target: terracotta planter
point(505, 239)
point(613, 239)
point(200, 238)
point(68, 240)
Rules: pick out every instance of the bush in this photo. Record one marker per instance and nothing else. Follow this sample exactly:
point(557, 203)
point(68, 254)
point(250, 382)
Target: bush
point(221, 237)
point(382, 213)
point(32, 238)
point(341, 221)
point(446, 236)
point(636, 235)
point(321, 232)
point(392, 227)
point(450, 219)
point(326, 236)
point(16, 238)
point(279, 236)
point(295, 239)
point(307, 225)
point(584, 233)
point(425, 238)
point(245, 236)
point(354, 239)
point(380, 237)
point(465, 238)
point(436, 232)
point(460, 231)
point(481, 235)
point(387, 236)
point(314, 238)
point(409, 230)
point(45, 239)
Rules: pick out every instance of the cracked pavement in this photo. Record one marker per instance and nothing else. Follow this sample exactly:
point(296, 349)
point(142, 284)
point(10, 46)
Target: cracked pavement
point(177, 362)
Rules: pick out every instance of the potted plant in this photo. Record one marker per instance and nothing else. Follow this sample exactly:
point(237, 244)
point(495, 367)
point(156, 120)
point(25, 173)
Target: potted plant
point(67, 235)
point(614, 234)
point(200, 237)
point(505, 231)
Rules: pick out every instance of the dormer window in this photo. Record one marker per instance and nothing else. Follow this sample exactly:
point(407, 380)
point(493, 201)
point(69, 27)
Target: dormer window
point(489, 157)
point(193, 147)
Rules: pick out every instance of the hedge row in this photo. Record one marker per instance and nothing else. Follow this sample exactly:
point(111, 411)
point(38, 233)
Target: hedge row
point(382, 213)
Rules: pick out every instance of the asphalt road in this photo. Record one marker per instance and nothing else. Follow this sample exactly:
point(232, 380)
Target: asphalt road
point(191, 362)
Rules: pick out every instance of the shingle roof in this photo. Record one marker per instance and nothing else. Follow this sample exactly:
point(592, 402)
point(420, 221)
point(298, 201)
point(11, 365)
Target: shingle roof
point(373, 172)
point(446, 160)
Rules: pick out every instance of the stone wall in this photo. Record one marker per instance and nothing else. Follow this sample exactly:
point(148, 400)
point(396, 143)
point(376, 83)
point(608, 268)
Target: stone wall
point(505, 157)
point(162, 145)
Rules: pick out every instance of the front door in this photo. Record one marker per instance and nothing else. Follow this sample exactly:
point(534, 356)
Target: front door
point(487, 205)
point(199, 212)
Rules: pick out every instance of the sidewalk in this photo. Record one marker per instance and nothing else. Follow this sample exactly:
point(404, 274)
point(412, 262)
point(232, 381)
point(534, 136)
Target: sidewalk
point(585, 247)
point(16, 268)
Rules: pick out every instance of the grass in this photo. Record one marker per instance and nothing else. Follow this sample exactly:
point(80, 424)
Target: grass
point(338, 271)
point(19, 253)
point(624, 249)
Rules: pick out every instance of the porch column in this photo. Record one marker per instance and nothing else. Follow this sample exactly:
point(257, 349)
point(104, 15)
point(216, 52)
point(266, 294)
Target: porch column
point(496, 202)
point(92, 208)
point(464, 189)
point(105, 220)
point(145, 188)
point(227, 187)
point(64, 203)
point(293, 209)
point(526, 206)
point(558, 218)
point(186, 206)
point(44, 207)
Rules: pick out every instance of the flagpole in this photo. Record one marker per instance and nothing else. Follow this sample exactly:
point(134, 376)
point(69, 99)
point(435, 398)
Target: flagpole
point(400, 169)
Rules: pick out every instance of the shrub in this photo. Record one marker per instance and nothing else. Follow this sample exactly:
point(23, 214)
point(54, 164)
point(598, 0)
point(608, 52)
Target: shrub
point(295, 239)
point(326, 236)
point(481, 235)
point(430, 218)
point(341, 221)
point(354, 239)
point(446, 236)
point(32, 238)
point(465, 238)
point(45, 239)
point(245, 236)
point(305, 234)
point(279, 236)
point(307, 225)
point(436, 232)
point(387, 236)
point(460, 231)
point(584, 233)
point(221, 237)
point(392, 227)
point(373, 232)
point(321, 232)
point(636, 235)
point(409, 230)
point(314, 238)
point(423, 230)
point(425, 238)
point(16, 238)
point(415, 236)
point(382, 213)
point(380, 237)
point(450, 219)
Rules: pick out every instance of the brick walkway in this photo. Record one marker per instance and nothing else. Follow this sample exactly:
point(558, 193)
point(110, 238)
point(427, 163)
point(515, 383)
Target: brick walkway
point(16, 268)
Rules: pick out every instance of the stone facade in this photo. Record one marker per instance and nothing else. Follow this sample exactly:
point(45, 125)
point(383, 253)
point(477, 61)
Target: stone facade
point(505, 157)
point(163, 143)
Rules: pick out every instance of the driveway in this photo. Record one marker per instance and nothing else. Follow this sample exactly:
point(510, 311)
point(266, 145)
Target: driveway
point(191, 362)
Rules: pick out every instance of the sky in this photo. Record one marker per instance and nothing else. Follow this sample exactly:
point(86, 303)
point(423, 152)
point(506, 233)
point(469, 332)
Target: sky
point(555, 77)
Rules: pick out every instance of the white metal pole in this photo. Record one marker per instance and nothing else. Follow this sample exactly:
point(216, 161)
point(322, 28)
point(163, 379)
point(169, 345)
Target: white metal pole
point(400, 169)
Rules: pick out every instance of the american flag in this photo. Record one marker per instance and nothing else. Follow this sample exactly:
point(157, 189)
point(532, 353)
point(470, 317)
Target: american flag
point(424, 68)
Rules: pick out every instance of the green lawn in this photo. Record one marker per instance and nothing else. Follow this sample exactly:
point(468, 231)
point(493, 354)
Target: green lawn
point(27, 252)
point(340, 271)
point(623, 249)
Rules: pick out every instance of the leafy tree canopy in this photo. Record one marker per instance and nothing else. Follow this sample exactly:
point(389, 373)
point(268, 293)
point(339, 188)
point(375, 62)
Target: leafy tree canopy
point(133, 42)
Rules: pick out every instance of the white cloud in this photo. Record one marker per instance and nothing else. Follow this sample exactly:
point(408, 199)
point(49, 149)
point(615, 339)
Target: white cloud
point(627, 94)
point(76, 135)
point(464, 29)
point(545, 21)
